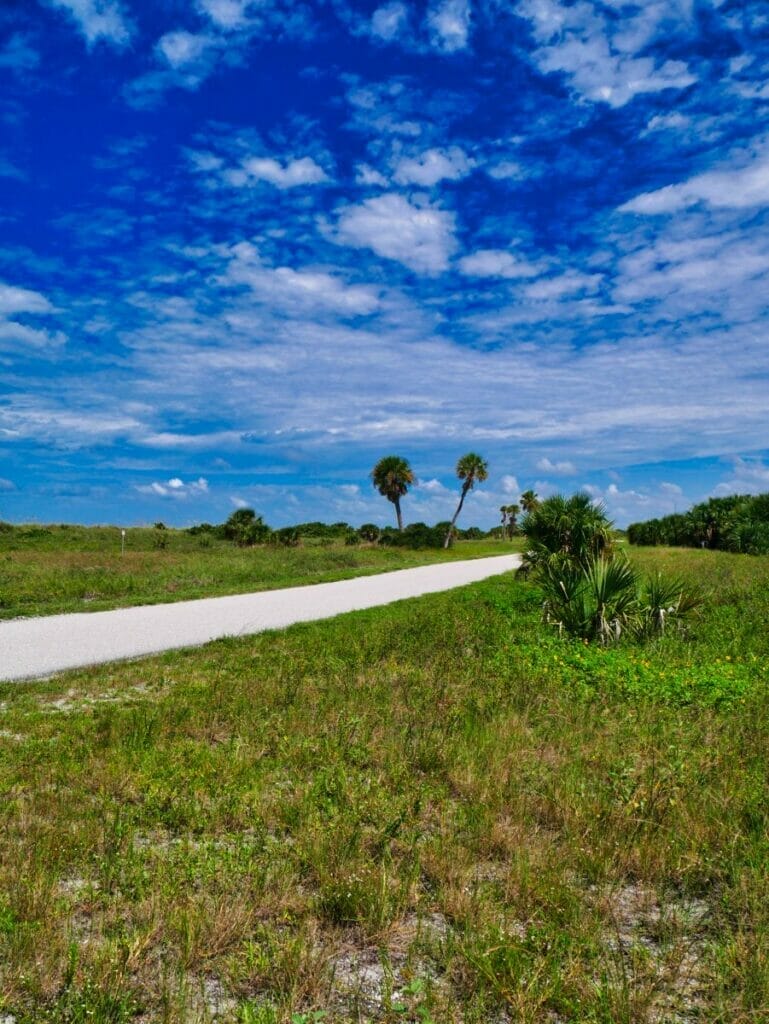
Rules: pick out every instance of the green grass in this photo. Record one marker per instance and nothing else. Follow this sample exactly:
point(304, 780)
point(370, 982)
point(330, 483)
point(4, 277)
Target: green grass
point(434, 811)
point(47, 570)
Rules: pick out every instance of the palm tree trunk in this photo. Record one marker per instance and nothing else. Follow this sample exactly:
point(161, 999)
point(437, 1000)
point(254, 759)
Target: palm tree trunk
point(397, 503)
point(450, 530)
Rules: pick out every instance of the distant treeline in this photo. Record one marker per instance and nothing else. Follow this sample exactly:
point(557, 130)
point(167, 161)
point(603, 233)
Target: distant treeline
point(737, 523)
point(246, 529)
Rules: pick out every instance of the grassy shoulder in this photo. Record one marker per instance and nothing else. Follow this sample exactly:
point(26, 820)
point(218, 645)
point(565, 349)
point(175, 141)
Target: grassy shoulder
point(48, 570)
point(432, 811)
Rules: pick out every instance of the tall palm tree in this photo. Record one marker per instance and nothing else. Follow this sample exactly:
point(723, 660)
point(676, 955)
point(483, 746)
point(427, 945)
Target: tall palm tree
point(471, 469)
point(529, 501)
point(392, 476)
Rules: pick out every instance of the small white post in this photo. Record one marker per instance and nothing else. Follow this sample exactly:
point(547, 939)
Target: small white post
point(122, 542)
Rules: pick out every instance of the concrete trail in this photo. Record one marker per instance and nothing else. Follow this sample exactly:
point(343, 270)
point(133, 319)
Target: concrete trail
point(30, 648)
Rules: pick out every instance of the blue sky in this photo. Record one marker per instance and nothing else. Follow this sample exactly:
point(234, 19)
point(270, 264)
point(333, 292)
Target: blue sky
point(249, 246)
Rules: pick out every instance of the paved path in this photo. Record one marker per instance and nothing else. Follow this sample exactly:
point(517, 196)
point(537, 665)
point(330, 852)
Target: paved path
point(30, 648)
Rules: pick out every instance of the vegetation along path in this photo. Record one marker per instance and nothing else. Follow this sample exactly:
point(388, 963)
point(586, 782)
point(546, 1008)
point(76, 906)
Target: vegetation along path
point(36, 647)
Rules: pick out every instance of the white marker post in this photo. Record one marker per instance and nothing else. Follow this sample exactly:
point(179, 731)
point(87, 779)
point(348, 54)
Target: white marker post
point(122, 542)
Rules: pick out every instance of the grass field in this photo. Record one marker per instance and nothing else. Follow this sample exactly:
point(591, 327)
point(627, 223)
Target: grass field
point(431, 812)
point(47, 570)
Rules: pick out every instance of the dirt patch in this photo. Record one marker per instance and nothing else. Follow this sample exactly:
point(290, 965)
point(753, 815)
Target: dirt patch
point(374, 980)
point(661, 946)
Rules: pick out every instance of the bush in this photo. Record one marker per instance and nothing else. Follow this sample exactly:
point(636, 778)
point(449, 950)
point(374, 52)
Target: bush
point(588, 592)
point(246, 528)
point(573, 528)
point(608, 598)
point(287, 537)
point(369, 532)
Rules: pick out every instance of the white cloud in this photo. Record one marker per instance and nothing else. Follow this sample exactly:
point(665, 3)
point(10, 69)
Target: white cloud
point(7, 485)
point(564, 468)
point(225, 14)
point(507, 170)
point(301, 171)
point(298, 289)
point(16, 336)
point(672, 489)
point(175, 488)
point(181, 49)
point(449, 25)
point(99, 19)
point(748, 476)
point(563, 284)
point(389, 20)
point(599, 52)
point(15, 300)
point(631, 505)
point(495, 263)
point(732, 188)
point(433, 486)
point(420, 237)
point(367, 175)
point(432, 166)
point(674, 121)
point(690, 267)
point(510, 485)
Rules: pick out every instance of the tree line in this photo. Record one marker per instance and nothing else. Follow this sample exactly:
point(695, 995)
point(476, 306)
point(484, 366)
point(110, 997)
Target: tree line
point(738, 523)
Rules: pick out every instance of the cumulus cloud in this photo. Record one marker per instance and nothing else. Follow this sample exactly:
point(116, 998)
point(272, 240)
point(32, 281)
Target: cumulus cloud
point(433, 486)
point(181, 49)
point(175, 488)
point(301, 171)
point(563, 284)
point(728, 187)
point(225, 14)
point(367, 175)
point(291, 289)
point(15, 300)
point(748, 476)
point(449, 25)
point(432, 166)
point(495, 263)
point(420, 237)
point(510, 485)
point(672, 489)
point(389, 20)
point(99, 19)
point(602, 53)
point(563, 468)
point(19, 336)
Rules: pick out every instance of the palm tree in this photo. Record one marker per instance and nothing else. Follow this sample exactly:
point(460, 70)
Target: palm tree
point(510, 518)
point(392, 476)
point(471, 468)
point(529, 501)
